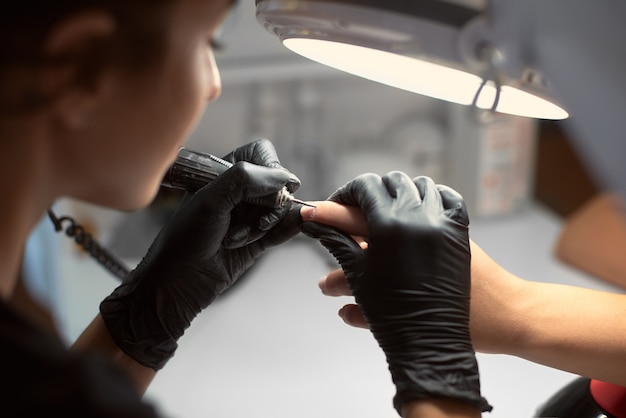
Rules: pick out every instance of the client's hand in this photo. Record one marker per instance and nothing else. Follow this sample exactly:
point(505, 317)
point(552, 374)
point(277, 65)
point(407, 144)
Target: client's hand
point(412, 282)
point(207, 245)
point(348, 219)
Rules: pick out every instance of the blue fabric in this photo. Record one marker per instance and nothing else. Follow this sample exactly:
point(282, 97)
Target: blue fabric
point(40, 267)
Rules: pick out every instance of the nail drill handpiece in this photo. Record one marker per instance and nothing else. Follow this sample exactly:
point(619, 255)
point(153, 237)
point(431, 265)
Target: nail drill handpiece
point(192, 170)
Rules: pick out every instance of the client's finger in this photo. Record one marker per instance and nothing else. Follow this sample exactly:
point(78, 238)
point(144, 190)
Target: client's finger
point(349, 219)
point(351, 315)
point(335, 284)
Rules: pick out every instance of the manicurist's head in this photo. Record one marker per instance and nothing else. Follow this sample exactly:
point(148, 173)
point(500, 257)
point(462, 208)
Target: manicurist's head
point(97, 96)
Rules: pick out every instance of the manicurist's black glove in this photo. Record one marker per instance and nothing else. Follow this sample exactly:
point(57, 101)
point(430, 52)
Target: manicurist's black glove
point(211, 240)
point(412, 283)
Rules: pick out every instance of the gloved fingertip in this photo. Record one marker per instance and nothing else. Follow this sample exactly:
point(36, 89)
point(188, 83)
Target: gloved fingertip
point(453, 204)
point(293, 183)
point(311, 229)
point(294, 213)
point(268, 221)
point(236, 239)
point(289, 215)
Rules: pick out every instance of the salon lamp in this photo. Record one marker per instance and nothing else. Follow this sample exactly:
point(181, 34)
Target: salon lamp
point(533, 58)
point(437, 48)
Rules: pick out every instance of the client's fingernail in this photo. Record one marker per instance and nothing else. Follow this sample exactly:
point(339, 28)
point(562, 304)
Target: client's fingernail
point(322, 284)
point(307, 213)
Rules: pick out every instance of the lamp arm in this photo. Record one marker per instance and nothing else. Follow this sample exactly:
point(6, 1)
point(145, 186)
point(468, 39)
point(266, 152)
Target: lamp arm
point(579, 46)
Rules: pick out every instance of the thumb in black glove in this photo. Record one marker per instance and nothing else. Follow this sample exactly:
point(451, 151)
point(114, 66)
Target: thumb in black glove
point(412, 283)
point(194, 259)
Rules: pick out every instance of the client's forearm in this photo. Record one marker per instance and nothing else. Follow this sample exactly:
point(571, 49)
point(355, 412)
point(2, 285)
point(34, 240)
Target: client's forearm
point(570, 328)
point(574, 329)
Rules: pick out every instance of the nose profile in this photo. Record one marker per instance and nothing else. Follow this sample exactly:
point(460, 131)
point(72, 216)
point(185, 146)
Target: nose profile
point(216, 88)
point(215, 81)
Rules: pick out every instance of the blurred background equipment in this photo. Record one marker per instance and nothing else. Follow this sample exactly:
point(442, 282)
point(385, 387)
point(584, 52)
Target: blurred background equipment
point(526, 58)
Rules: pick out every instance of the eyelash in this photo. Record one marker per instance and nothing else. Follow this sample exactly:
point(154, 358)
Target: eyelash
point(215, 45)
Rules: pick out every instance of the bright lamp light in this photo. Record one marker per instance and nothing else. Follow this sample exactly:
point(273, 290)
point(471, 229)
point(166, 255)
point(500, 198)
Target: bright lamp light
point(414, 48)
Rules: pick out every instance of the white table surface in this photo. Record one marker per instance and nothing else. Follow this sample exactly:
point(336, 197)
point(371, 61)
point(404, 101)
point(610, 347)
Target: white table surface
point(273, 346)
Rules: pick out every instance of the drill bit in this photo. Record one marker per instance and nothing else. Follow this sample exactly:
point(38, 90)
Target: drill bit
point(302, 202)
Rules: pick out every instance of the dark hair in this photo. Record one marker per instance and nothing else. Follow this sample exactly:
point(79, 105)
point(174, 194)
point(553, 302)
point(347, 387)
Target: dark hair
point(24, 24)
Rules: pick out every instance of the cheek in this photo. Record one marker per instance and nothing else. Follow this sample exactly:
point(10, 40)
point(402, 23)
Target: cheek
point(193, 83)
point(154, 124)
point(197, 83)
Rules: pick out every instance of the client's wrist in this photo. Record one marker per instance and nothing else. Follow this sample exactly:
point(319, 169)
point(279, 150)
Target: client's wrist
point(436, 374)
point(439, 408)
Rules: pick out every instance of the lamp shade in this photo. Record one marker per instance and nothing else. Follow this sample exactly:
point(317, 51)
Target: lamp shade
point(419, 46)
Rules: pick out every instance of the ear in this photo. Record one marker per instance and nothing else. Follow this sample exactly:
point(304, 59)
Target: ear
point(74, 45)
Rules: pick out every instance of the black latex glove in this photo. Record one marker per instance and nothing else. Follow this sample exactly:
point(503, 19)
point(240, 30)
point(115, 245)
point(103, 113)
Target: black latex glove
point(412, 283)
point(250, 221)
point(188, 265)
